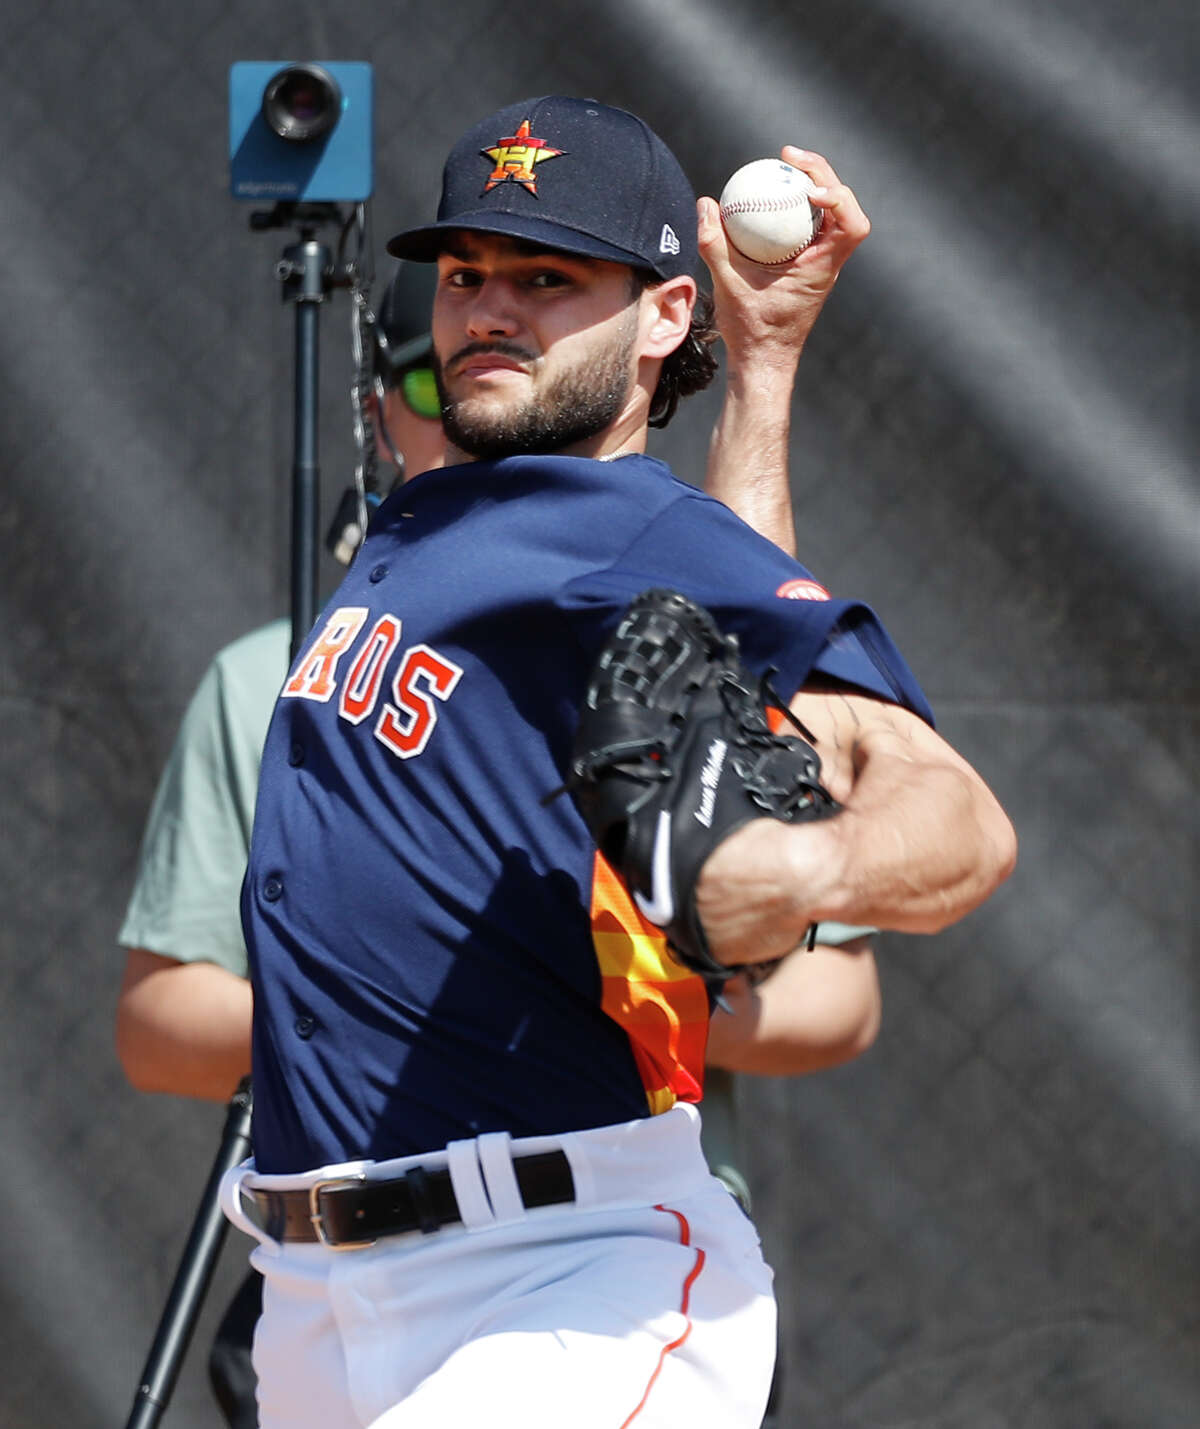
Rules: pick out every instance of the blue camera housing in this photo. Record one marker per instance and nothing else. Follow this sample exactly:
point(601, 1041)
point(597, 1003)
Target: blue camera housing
point(337, 168)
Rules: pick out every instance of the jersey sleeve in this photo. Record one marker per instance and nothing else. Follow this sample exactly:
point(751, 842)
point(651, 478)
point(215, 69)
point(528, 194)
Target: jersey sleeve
point(193, 855)
point(785, 621)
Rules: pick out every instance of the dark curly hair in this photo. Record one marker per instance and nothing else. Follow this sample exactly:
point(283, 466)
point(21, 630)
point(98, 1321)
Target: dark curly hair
point(693, 364)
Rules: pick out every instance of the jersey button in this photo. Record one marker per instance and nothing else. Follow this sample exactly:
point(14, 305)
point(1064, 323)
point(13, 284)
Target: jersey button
point(377, 574)
point(272, 890)
point(305, 1026)
point(296, 755)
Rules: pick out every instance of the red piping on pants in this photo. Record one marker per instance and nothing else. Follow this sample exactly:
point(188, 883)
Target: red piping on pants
point(685, 1238)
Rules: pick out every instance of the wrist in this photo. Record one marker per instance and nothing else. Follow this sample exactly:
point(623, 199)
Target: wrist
point(818, 870)
point(757, 407)
point(767, 364)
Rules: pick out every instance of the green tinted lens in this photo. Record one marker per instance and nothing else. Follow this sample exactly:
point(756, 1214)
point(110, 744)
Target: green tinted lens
point(420, 392)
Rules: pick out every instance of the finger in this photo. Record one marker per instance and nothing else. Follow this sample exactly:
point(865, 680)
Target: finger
point(816, 166)
point(837, 199)
point(727, 267)
point(711, 239)
point(843, 212)
point(708, 222)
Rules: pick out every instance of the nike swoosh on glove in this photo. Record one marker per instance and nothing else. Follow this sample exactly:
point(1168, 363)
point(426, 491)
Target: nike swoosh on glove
point(674, 753)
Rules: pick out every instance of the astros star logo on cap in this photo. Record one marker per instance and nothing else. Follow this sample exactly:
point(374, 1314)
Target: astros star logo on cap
point(516, 159)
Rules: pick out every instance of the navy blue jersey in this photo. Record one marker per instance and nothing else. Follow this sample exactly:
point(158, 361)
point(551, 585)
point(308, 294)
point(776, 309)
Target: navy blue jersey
point(435, 952)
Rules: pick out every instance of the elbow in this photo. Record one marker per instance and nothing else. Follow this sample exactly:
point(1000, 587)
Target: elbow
point(858, 1035)
point(802, 1059)
point(1006, 850)
point(867, 1031)
point(994, 859)
point(129, 1041)
point(998, 856)
point(134, 1072)
point(852, 1018)
point(138, 1079)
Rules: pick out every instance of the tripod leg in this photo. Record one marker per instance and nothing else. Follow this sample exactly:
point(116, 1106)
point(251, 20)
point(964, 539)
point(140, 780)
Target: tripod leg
point(178, 1319)
point(230, 1367)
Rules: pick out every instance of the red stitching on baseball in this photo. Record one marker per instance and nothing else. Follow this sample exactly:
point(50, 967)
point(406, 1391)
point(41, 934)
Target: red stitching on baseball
point(759, 205)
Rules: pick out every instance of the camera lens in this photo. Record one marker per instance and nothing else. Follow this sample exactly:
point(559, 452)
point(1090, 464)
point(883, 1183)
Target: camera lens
point(302, 103)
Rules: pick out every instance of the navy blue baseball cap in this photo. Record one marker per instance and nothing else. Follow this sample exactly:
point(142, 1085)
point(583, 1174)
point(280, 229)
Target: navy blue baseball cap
point(571, 174)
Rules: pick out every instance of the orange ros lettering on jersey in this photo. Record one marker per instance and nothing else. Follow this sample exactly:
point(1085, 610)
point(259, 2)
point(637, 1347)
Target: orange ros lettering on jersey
point(314, 678)
point(361, 689)
point(662, 1007)
point(423, 676)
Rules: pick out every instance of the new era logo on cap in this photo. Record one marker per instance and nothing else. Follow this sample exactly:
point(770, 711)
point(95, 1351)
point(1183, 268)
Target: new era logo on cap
point(614, 190)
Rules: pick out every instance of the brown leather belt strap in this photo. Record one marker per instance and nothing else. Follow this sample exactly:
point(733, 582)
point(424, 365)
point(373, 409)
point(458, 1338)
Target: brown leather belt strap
point(350, 1212)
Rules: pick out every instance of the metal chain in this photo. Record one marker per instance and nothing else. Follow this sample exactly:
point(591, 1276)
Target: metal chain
point(359, 270)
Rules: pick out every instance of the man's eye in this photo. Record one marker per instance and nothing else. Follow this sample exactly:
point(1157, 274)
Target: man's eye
point(550, 280)
point(463, 278)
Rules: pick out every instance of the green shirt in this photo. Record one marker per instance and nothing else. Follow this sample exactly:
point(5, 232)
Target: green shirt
point(185, 901)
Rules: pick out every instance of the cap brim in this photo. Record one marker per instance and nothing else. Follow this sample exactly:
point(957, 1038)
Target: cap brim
point(422, 245)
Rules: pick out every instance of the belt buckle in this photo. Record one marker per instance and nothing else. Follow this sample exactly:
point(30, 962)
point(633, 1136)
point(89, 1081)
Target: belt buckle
point(318, 1222)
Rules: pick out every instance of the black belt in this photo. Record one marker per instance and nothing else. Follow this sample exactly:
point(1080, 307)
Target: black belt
point(349, 1212)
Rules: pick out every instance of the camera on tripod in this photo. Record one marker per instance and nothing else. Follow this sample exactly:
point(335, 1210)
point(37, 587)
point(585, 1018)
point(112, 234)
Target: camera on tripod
point(300, 132)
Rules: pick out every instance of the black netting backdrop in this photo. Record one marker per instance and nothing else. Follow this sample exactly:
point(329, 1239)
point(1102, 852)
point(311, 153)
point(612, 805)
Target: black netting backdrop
point(991, 1220)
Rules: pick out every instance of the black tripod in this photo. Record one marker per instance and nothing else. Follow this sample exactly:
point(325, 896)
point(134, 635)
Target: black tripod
point(308, 273)
point(178, 1319)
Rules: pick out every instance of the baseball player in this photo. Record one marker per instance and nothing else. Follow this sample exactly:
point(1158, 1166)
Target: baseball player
point(478, 1189)
point(183, 1017)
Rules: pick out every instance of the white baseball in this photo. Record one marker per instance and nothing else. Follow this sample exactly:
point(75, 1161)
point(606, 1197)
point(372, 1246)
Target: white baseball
point(766, 212)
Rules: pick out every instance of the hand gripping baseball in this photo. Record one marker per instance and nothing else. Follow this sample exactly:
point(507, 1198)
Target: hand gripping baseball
point(770, 311)
point(673, 754)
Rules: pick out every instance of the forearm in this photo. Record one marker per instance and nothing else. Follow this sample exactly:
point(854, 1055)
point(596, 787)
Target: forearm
point(183, 1028)
point(748, 454)
point(817, 1009)
point(920, 840)
point(765, 316)
point(917, 847)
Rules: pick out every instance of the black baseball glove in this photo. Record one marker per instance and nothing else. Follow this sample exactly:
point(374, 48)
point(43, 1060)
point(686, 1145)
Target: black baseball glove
point(673, 753)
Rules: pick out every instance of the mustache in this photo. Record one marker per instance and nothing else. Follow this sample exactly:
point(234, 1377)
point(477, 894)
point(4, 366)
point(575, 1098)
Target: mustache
point(497, 348)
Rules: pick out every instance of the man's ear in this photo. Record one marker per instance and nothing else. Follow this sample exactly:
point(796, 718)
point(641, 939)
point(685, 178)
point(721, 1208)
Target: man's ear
point(667, 315)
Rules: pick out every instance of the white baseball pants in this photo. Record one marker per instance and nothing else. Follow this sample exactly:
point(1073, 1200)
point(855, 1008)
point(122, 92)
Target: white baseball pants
point(646, 1304)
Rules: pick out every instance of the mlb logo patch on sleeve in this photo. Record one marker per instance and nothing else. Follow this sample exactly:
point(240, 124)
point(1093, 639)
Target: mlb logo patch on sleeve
point(802, 590)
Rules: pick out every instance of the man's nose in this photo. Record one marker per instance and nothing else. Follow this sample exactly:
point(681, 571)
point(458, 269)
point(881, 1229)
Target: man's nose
point(493, 311)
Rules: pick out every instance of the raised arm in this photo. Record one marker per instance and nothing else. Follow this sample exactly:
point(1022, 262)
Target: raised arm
point(765, 316)
point(824, 1008)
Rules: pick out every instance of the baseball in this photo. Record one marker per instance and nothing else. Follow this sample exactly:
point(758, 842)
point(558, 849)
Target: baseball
point(766, 212)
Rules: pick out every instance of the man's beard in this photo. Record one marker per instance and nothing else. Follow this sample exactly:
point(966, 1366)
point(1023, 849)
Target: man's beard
point(578, 404)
